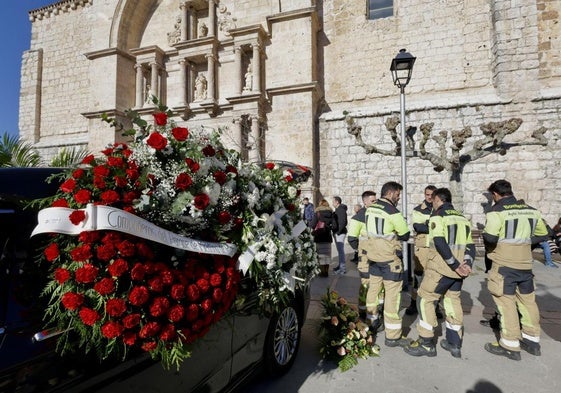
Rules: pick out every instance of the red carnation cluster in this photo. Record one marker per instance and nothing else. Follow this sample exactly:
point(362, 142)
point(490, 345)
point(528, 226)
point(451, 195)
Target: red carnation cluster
point(135, 299)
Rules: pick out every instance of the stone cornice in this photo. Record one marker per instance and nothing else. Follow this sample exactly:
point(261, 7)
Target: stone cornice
point(56, 8)
point(108, 52)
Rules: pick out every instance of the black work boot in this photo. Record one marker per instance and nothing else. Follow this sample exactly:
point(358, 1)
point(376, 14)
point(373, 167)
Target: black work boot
point(531, 347)
point(397, 342)
point(496, 349)
point(421, 347)
point(453, 349)
point(494, 323)
point(412, 309)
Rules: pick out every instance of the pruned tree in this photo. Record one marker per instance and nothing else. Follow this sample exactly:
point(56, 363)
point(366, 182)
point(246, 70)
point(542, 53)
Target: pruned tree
point(454, 150)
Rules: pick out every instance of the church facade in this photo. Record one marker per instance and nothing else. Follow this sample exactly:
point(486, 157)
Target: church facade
point(292, 79)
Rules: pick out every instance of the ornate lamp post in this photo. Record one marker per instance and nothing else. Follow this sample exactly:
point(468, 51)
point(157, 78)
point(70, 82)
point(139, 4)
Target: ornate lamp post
point(402, 68)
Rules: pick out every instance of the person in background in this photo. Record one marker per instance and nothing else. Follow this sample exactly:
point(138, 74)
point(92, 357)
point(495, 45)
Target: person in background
point(339, 233)
point(449, 262)
point(511, 227)
point(356, 209)
point(308, 212)
point(322, 223)
point(356, 237)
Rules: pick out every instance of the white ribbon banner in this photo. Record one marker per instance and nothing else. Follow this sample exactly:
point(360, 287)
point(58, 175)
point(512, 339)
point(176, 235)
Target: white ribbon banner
point(56, 220)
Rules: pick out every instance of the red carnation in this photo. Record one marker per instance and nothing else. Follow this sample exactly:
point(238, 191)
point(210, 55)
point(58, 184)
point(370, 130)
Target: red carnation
point(270, 166)
point(206, 305)
point(111, 237)
point(149, 346)
point(105, 286)
point(126, 248)
point(77, 216)
point(129, 338)
point(115, 162)
point(159, 306)
point(177, 291)
point(83, 196)
point(220, 177)
point(201, 201)
point(131, 320)
point(120, 181)
point(68, 186)
point(51, 252)
point(78, 173)
point(180, 133)
point(215, 279)
point(88, 316)
point(86, 274)
point(167, 333)
point(193, 293)
point(108, 197)
point(176, 313)
point(138, 272)
point(60, 203)
point(61, 275)
point(144, 251)
point(101, 171)
point(115, 307)
point(138, 296)
point(167, 277)
point(193, 165)
point(112, 329)
point(217, 295)
point(192, 312)
point(160, 118)
point(156, 284)
point(106, 252)
point(129, 197)
point(88, 159)
point(81, 253)
point(99, 183)
point(231, 169)
point(89, 237)
point(157, 141)
point(291, 207)
point(224, 217)
point(209, 151)
point(71, 300)
point(183, 181)
point(203, 285)
point(118, 267)
point(149, 330)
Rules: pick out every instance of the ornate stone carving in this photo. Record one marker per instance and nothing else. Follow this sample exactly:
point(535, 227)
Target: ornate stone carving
point(200, 87)
point(225, 20)
point(203, 30)
point(175, 36)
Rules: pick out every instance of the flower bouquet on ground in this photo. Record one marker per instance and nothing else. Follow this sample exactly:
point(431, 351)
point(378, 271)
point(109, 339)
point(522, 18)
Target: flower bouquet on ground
point(148, 242)
point(344, 337)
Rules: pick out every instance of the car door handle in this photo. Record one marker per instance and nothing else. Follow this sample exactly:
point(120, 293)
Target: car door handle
point(46, 334)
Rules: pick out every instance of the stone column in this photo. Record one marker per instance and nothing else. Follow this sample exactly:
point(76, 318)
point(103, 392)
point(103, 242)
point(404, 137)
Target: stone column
point(192, 23)
point(210, 66)
point(183, 82)
point(239, 72)
point(239, 137)
point(184, 7)
point(211, 18)
point(191, 82)
point(154, 79)
point(255, 151)
point(256, 68)
point(139, 86)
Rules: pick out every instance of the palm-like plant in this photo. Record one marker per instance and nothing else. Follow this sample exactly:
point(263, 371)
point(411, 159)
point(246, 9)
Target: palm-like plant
point(16, 153)
point(68, 157)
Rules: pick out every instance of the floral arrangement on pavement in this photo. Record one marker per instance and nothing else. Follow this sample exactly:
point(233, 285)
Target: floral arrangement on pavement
point(112, 291)
point(345, 338)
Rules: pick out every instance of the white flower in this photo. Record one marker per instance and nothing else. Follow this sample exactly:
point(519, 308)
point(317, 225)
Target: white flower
point(292, 192)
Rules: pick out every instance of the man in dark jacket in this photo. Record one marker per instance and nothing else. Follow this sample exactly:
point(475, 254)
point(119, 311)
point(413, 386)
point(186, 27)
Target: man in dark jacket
point(340, 233)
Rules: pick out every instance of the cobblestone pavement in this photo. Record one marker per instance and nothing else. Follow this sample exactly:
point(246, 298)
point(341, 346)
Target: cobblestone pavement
point(396, 372)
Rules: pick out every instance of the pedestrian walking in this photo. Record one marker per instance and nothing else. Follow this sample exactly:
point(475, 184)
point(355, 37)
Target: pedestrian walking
point(322, 223)
point(340, 233)
point(308, 211)
point(450, 258)
point(510, 229)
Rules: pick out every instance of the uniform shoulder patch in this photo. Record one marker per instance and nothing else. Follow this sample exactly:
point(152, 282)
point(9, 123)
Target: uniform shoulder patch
point(433, 225)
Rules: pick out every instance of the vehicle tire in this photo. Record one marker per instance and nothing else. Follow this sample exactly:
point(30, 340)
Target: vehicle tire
point(282, 341)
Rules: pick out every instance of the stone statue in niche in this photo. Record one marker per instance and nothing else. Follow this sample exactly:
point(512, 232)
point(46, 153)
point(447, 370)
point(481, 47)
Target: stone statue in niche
point(175, 36)
point(148, 93)
point(248, 78)
point(203, 30)
point(200, 87)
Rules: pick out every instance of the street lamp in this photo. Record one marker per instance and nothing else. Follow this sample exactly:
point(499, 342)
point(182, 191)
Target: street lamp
point(402, 68)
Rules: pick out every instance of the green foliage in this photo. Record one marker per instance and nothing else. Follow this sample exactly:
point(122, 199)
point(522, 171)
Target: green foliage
point(68, 157)
point(16, 153)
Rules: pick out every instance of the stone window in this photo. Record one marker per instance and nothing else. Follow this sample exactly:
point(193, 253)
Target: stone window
point(377, 9)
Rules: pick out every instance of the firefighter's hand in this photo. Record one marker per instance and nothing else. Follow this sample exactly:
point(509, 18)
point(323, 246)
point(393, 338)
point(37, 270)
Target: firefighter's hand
point(463, 270)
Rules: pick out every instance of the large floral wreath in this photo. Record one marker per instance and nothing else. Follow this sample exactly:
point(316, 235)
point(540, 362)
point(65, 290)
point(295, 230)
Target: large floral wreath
point(111, 290)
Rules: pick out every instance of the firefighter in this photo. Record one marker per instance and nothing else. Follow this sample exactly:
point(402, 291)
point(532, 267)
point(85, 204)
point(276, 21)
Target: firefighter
point(450, 259)
point(511, 227)
point(386, 228)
